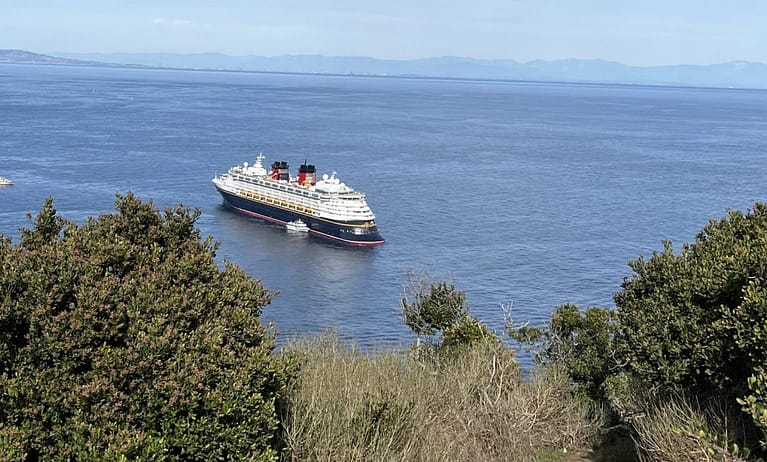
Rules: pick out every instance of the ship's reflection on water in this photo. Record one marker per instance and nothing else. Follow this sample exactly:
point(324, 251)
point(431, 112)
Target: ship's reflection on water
point(321, 277)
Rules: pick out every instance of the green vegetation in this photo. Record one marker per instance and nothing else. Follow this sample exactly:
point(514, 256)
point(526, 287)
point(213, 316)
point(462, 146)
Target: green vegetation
point(690, 328)
point(459, 396)
point(697, 321)
point(122, 339)
point(711, 299)
point(438, 311)
point(581, 343)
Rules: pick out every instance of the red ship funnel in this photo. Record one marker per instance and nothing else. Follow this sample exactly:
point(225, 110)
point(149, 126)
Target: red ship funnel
point(307, 175)
point(302, 174)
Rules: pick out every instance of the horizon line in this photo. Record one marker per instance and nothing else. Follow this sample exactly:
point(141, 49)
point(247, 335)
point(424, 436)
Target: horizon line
point(468, 58)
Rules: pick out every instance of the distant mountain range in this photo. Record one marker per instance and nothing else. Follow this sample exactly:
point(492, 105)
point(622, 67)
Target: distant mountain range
point(27, 57)
point(736, 74)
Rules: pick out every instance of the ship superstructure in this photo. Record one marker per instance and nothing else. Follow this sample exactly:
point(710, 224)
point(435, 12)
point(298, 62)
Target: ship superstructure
point(330, 208)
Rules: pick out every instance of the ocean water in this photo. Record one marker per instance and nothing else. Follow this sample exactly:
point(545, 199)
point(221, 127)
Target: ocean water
point(525, 195)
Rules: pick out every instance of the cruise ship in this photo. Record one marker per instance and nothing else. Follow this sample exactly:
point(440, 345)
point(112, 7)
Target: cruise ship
point(328, 207)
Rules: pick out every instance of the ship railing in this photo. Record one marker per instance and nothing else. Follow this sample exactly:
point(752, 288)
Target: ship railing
point(339, 214)
point(278, 185)
point(277, 198)
point(335, 208)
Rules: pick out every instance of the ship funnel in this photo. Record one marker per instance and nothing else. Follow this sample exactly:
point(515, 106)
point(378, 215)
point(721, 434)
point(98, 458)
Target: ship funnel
point(307, 175)
point(280, 171)
point(284, 173)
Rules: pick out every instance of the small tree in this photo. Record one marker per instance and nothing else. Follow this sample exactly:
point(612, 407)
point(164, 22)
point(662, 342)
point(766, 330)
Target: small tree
point(122, 338)
point(580, 342)
point(438, 311)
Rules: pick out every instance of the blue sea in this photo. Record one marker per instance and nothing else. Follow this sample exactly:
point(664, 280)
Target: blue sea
point(525, 195)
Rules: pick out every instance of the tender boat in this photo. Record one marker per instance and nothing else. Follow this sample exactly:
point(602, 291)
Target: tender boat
point(297, 226)
point(5, 181)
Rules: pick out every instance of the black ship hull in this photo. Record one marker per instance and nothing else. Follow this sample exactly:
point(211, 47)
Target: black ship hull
point(350, 233)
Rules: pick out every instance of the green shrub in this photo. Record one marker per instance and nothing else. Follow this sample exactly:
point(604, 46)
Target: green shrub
point(693, 322)
point(429, 308)
point(755, 404)
point(699, 318)
point(122, 338)
point(438, 311)
point(467, 332)
point(579, 342)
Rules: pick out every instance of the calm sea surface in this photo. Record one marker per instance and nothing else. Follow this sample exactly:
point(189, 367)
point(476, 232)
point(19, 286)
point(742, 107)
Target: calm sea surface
point(524, 194)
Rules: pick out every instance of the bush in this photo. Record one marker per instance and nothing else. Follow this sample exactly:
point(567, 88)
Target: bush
point(699, 319)
point(579, 342)
point(755, 404)
point(121, 338)
point(692, 323)
point(438, 311)
point(467, 332)
point(429, 308)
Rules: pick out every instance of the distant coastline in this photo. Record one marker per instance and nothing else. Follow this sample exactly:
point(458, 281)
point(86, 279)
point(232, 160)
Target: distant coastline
point(738, 74)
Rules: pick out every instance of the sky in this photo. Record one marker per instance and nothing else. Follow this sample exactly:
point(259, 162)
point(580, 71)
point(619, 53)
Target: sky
point(638, 32)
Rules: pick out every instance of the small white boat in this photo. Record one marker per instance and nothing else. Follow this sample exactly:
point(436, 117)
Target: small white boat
point(297, 226)
point(5, 181)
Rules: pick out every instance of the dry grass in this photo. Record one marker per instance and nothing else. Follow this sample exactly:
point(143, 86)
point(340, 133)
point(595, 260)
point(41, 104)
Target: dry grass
point(678, 430)
point(348, 405)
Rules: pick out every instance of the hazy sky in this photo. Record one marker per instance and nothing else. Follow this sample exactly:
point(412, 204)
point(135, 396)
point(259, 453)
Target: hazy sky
point(640, 32)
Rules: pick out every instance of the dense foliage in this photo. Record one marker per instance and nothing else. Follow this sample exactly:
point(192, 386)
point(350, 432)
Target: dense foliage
point(699, 318)
point(122, 338)
point(691, 323)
